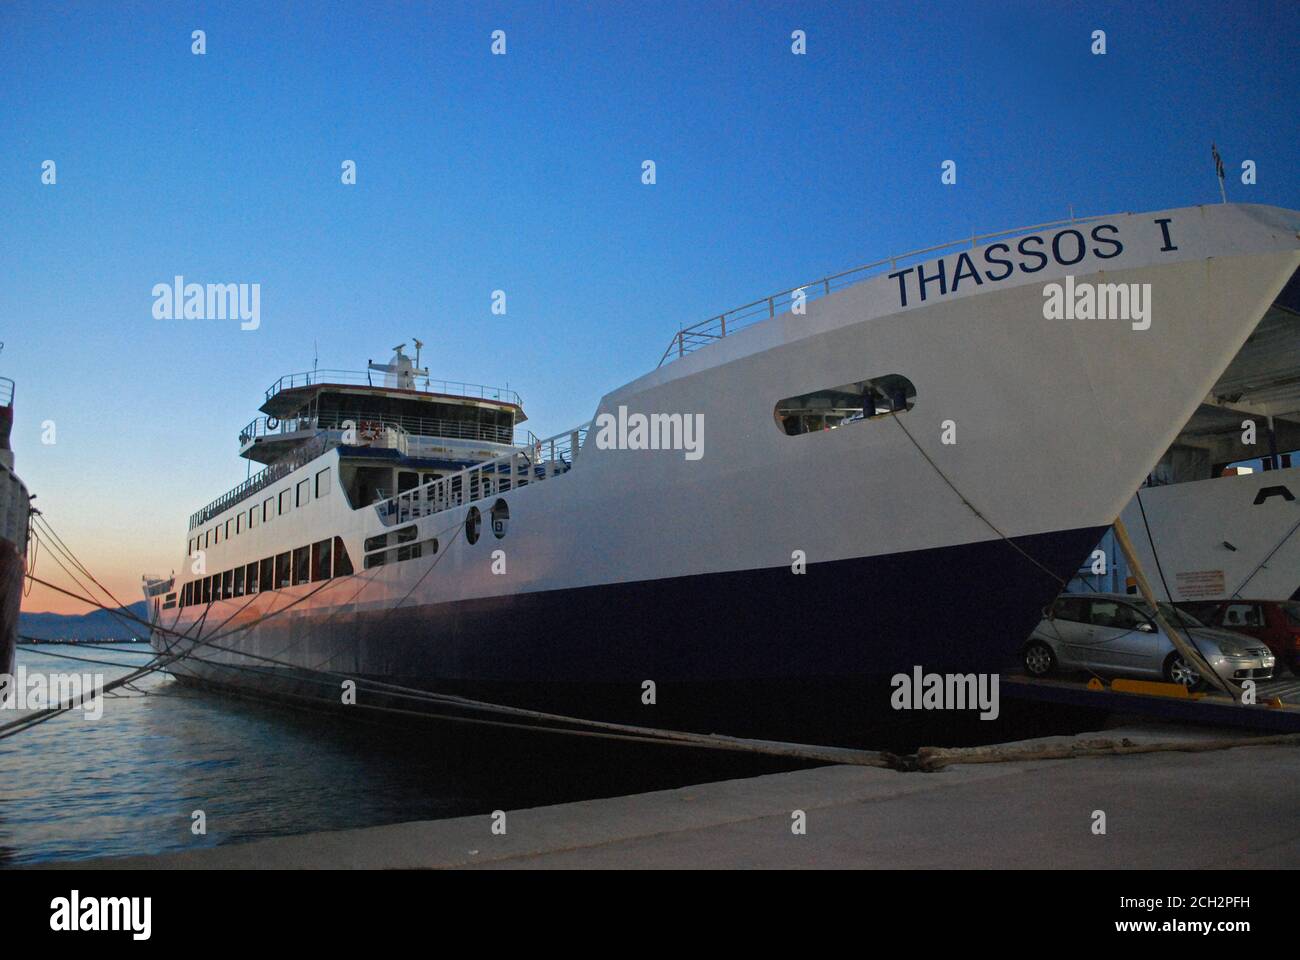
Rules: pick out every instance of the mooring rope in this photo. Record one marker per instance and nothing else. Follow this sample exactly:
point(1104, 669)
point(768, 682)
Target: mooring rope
point(541, 721)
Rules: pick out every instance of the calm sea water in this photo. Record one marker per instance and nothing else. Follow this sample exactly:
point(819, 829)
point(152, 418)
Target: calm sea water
point(73, 787)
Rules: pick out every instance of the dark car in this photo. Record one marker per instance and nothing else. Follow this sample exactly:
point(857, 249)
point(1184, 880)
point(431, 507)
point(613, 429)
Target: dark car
point(1276, 622)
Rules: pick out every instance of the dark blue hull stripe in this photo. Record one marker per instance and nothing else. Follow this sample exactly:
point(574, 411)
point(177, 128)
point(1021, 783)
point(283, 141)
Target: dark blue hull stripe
point(959, 608)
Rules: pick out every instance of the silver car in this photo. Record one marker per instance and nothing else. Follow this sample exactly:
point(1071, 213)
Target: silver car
point(1117, 635)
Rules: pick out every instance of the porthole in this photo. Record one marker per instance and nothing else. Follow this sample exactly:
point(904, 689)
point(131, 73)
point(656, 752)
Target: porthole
point(835, 407)
point(473, 522)
point(500, 519)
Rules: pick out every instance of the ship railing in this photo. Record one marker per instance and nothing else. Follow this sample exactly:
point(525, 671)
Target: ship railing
point(258, 481)
point(689, 339)
point(456, 388)
point(6, 392)
point(263, 427)
point(538, 461)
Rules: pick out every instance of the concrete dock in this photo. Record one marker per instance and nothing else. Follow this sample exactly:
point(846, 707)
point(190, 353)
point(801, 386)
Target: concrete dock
point(1237, 808)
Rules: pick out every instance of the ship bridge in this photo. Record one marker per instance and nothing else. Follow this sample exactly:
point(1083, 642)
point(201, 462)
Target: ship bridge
point(1261, 387)
point(394, 406)
point(394, 425)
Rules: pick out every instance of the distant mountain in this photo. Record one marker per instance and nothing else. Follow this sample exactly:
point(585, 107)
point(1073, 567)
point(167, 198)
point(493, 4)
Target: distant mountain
point(96, 625)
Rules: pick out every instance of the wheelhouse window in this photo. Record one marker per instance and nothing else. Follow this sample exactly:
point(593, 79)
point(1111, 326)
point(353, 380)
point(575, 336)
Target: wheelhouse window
point(835, 407)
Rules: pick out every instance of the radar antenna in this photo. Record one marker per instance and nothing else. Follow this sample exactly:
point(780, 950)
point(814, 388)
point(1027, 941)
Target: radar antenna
point(400, 371)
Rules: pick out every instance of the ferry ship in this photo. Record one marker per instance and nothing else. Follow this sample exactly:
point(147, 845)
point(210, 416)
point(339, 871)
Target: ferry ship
point(1207, 529)
point(15, 511)
point(892, 467)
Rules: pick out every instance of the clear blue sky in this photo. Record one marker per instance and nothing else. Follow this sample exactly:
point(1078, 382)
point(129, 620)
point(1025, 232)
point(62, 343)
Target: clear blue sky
point(478, 172)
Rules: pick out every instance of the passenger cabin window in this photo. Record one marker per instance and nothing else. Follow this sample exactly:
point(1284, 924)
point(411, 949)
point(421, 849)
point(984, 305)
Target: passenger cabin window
point(342, 563)
point(315, 562)
point(322, 483)
point(304, 492)
point(285, 502)
point(268, 509)
point(848, 403)
point(252, 517)
point(320, 560)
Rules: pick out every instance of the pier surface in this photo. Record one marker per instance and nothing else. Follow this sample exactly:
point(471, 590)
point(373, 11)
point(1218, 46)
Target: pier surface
point(1235, 808)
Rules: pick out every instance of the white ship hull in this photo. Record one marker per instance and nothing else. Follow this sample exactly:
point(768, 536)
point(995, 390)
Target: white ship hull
point(1221, 538)
point(646, 565)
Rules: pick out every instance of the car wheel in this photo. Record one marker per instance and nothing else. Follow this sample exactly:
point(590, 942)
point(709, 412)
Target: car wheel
point(1178, 670)
point(1038, 659)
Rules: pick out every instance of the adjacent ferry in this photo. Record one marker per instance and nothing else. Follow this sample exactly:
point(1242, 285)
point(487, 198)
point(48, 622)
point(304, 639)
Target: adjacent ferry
point(893, 467)
point(1219, 517)
point(15, 512)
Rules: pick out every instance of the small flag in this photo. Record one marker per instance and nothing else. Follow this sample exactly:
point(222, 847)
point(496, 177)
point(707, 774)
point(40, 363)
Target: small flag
point(1218, 161)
